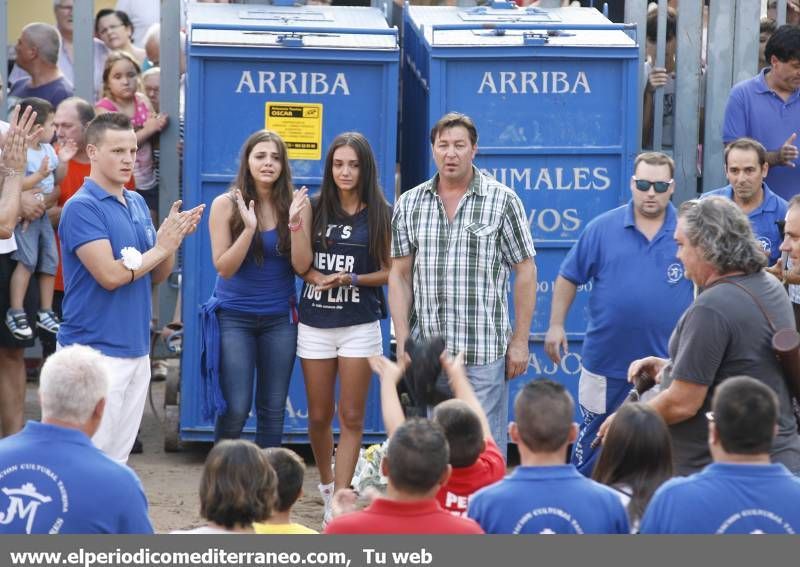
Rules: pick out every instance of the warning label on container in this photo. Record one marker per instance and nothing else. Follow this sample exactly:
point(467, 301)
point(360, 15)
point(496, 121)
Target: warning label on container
point(300, 126)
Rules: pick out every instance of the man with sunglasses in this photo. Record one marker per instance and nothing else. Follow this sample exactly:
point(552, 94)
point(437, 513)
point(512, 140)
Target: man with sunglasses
point(638, 293)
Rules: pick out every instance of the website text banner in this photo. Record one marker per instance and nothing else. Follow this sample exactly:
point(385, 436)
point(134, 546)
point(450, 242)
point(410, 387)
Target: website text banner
point(392, 551)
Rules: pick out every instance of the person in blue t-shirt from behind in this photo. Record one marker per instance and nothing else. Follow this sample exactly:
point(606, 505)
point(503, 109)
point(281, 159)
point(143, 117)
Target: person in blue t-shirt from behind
point(53, 480)
point(741, 492)
point(345, 264)
point(543, 495)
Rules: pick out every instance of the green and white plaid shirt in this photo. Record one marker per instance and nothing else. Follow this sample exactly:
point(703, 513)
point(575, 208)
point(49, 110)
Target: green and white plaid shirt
point(461, 270)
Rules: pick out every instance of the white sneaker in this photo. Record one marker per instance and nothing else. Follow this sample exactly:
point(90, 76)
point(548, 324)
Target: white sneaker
point(326, 491)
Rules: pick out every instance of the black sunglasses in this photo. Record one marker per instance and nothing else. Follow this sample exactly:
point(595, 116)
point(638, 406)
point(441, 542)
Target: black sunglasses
point(645, 184)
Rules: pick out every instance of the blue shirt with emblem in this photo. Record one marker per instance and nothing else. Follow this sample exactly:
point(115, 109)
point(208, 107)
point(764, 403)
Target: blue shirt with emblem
point(117, 323)
point(727, 498)
point(54, 481)
point(764, 219)
point(548, 500)
point(756, 111)
point(638, 289)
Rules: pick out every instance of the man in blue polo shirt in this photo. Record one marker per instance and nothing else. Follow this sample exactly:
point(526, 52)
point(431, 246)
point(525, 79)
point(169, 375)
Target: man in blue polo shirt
point(767, 108)
point(746, 167)
point(638, 294)
point(543, 495)
point(111, 256)
point(52, 479)
point(741, 492)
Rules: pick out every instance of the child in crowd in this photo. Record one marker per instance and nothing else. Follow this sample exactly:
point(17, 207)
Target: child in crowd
point(237, 489)
point(290, 469)
point(121, 93)
point(36, 244)
point(475, 457)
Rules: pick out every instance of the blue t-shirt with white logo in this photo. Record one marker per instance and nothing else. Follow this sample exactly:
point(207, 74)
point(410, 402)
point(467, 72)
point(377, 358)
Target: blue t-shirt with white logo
point(763, 219)
point(638, 289)
point(726, 498)
point(548, 500)
point(54, 481)
point(117, 323)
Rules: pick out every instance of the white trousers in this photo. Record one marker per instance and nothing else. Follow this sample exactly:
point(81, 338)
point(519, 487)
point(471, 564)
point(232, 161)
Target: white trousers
point(128, 379)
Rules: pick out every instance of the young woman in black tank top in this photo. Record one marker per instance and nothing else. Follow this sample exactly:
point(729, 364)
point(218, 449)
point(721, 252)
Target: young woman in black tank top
point(348, 235)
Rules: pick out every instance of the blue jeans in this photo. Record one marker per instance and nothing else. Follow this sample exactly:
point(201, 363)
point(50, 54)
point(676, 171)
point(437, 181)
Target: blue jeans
point(260, 347)
point(491, 388)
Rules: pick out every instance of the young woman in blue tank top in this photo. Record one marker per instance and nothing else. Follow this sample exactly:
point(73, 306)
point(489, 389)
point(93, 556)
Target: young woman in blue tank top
point(347, 241)
point(254, 297)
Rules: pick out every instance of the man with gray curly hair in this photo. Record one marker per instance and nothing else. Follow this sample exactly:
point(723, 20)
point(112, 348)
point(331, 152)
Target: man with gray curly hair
point(724, 333)
point(52, 479)
point(37, 50)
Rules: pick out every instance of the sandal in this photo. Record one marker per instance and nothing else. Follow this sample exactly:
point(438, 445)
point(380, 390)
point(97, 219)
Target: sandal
point(158, 371)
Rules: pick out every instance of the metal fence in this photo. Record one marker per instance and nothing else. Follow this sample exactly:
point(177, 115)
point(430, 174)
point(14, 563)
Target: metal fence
point(702, 80)
point(701, 89)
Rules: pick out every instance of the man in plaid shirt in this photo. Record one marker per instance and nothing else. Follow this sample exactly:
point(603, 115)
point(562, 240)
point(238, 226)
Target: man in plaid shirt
point(455, 241)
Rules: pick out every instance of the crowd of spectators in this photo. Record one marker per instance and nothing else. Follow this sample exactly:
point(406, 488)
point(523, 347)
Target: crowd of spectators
point(723, 414)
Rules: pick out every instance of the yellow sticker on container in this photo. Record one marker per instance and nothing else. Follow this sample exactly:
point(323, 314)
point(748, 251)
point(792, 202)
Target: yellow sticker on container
point(300, 126)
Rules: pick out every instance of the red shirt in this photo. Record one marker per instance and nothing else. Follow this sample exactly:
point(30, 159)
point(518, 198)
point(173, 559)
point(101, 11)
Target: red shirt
point(386, 516)
point(465, 481)
point(73, 180)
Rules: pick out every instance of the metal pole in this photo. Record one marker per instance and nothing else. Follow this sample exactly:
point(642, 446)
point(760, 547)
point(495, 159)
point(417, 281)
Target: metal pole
point(719, 77)
point(4, 58)
point(636, 12)
point(780, 18)
point(687, 99)
point(169, 103)
point(82, 36)
point(746, 33)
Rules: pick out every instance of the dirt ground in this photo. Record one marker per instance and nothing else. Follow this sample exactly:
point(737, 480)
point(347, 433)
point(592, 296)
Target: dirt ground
point(171, 480)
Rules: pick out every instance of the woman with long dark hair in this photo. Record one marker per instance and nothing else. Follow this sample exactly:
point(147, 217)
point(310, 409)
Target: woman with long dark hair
point(347, 239)
point(636, 458)
point(254, 298)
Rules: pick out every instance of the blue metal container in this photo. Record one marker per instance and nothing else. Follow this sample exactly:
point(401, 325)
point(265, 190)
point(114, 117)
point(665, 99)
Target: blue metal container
point(553, 94)
point(308, 72)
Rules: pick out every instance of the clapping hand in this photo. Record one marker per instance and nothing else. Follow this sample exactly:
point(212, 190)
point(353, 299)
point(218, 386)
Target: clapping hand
point(178, 225)
point(248, 212)
point(299, 203)
point(20, 134)
point(67, 151)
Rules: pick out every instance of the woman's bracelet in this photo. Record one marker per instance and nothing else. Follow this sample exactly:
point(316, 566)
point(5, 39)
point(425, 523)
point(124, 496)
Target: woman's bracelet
point(353, 279)
point(296, 226)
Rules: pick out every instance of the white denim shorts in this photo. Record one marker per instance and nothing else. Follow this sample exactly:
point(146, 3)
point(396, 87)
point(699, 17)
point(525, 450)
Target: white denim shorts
point(354, 341)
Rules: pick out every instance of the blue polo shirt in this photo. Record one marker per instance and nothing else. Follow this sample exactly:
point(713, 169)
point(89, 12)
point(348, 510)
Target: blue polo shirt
point(726, 498)
point(53, 480)
point(638, 289)
point(117, 323)
point(763, 219)
point(756, 111)
point(548, 500)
